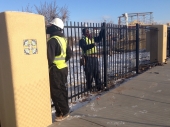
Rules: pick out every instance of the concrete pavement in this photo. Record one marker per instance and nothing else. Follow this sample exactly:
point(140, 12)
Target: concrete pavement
point(142, 101)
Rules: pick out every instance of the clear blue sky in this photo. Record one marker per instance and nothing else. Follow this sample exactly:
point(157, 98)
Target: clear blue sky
point(98, 10)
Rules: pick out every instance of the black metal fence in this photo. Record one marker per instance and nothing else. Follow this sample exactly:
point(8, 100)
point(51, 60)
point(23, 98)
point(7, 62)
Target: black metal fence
point(120, 54)
point(168, 42)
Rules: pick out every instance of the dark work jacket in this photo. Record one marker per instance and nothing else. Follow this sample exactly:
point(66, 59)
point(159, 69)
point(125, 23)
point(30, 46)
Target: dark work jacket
point(84, 46)
point(54, 49)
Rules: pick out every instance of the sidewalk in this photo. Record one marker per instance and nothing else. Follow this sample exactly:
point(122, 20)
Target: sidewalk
point(143, 101)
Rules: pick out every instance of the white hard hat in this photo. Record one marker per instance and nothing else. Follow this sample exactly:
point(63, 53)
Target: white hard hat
point(58, 22)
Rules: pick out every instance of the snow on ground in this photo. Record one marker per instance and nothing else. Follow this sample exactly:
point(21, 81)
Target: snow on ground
point(119, 60)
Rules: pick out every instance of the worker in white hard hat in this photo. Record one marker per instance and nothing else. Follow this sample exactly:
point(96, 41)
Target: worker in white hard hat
point(58, 53)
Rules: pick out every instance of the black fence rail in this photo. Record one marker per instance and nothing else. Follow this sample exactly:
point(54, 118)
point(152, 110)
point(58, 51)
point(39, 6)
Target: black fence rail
point(168, 42)
point(120, 53)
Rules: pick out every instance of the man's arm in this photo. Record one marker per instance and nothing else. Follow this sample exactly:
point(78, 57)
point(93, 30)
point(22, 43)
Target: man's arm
point(101, 35)
point(84, 46)
point(68, 53)
point(50, 52)
point(53, 49)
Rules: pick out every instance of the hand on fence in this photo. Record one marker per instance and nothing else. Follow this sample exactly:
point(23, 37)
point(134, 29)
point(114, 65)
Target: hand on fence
point(102, 33)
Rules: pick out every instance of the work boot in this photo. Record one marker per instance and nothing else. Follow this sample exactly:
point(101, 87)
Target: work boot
point(60, 118)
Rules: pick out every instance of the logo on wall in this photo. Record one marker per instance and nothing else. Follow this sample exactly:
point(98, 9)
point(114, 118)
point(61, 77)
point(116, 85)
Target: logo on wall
point(30, 47)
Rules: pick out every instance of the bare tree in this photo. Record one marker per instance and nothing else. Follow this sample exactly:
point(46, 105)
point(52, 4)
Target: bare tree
point(50, 11)
point(27, 9)
point(64, 13)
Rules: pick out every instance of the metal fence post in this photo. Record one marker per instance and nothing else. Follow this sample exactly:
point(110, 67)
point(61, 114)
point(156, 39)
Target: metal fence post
point(137, 48)
point(168, 43)
point(105, 56)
